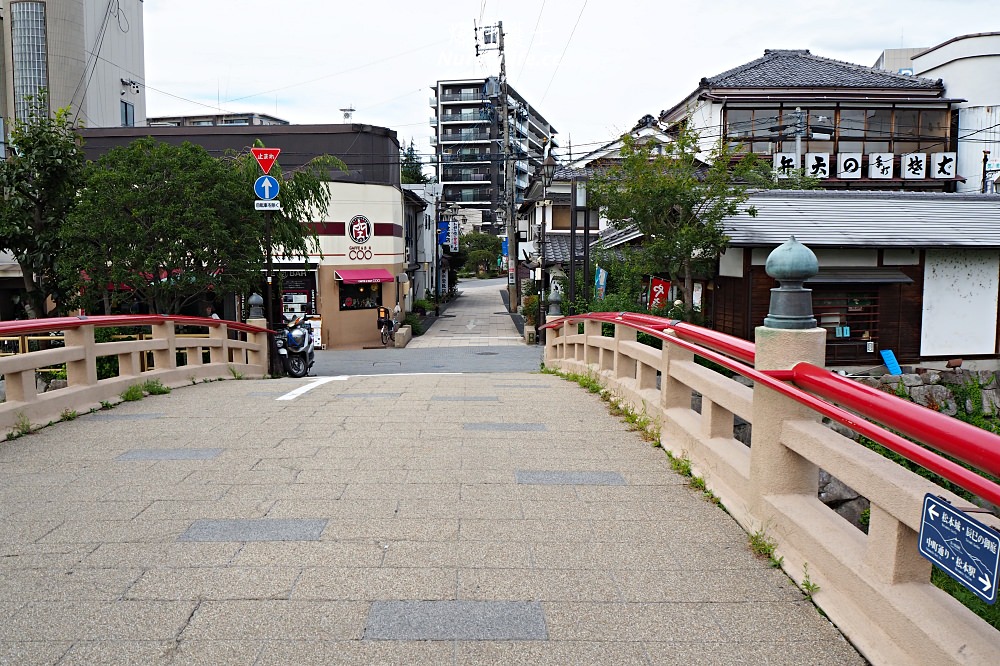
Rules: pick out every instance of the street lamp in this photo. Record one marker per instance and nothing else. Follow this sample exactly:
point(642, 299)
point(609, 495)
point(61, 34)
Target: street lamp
point(548, 171)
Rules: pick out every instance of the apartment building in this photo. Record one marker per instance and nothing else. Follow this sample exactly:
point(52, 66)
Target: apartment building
point(468, 142)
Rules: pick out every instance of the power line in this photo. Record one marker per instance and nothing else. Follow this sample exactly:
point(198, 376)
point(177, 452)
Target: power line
point(532, 41)
point(573, 32)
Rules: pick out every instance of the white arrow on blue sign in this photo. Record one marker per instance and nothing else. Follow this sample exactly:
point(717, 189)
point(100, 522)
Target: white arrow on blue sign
point(266, 187)
point(964, 548)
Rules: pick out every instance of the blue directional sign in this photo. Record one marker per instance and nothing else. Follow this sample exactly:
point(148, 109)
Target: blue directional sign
point(266, 187)
point(964, 548)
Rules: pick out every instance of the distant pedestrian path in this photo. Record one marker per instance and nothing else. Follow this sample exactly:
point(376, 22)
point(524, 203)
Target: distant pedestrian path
point(476, 318)
point(421, 519)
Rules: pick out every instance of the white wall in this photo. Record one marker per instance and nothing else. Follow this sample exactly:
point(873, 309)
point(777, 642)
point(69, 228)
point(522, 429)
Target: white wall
point(380, 204)
point(731, 263)
point(961, 288)
point(121, 57)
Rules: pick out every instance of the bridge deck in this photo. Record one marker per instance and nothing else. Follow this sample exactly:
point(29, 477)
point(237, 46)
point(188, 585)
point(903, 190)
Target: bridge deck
point(497, 515)
point(472, 518)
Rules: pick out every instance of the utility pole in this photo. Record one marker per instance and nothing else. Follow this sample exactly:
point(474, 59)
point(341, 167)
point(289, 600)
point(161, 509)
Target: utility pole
point(495, 35)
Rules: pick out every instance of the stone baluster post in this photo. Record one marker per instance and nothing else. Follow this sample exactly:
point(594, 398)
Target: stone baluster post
point(789, 335)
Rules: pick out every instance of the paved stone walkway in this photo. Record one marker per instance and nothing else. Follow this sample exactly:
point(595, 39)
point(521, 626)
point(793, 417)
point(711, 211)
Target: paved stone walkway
point(477, 318)
point(448, 519)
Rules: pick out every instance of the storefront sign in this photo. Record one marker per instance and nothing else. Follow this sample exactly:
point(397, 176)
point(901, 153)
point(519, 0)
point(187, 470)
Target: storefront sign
point(360, 229)
point(658, 291)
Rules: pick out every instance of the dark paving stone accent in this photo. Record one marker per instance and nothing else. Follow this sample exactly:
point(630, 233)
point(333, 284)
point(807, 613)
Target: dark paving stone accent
point(169, 454)
point(144, 416)
point(456, 621)
point(370, 396)
point(465, 398)
point(254, 530)
point(569, 478)
point(487, 353)
point(505, 427)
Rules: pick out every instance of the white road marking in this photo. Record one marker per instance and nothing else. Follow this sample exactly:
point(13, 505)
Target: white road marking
point(319, 381)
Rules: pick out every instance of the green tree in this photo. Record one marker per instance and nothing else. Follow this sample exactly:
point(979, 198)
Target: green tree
point(677, 200)
point(411, 168)
point(165, 225)
point(40, 178)
point(479, 251)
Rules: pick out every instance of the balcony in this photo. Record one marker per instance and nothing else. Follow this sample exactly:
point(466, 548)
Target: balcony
point(465, 136)
point(463, 97)
point(485, 195)
point(474, 117)
point(434, 141)
point(475, 157)
point(464, 175)
point(434, 121)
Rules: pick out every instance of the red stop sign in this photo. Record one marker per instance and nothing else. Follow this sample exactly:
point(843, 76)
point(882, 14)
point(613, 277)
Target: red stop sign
point(265, 157)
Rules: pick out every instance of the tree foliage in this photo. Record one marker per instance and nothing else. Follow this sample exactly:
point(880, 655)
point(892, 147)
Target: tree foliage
point(411, 168)
point(40, 179)
point(677, 200)
point(166, 225)
point(479, 251)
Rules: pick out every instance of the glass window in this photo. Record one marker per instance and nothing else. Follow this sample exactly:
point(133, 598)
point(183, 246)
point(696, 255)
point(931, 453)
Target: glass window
point(852, 123)
point(30, 53)
point(879, 123)
point(738, 122)
point(934, 123)
point(765, 122)
point(360, 296)
point(907, 122)
point(128, 114)
point(820, 123)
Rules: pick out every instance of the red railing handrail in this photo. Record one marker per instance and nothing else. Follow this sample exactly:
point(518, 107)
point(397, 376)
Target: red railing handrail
point(775, 379)
point(50, 324)
point(979, 448)
point(729, 345)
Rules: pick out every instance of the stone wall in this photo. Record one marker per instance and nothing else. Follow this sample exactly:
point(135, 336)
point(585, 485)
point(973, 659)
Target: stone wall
point(935, 388)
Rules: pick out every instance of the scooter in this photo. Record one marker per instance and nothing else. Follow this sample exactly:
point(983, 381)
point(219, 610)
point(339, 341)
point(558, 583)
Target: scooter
point(295, 346)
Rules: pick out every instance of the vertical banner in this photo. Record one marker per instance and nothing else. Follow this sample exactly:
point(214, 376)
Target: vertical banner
point(658, 290)
point(600, 283)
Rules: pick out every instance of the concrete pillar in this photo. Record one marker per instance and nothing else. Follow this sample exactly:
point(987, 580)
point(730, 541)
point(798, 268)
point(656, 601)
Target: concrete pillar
point(84, 371)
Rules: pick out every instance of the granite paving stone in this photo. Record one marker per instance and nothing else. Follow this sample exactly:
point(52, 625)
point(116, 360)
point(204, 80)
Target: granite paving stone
point(254, 530)
point(277, 620)
point(455, 620)
point(370, 584)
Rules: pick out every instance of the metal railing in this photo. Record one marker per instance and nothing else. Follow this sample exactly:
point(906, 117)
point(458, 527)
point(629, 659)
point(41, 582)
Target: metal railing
point(151, 353)
point(867, 581)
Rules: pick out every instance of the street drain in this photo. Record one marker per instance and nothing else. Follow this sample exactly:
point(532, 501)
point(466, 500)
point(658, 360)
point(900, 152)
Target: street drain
point(487, 353)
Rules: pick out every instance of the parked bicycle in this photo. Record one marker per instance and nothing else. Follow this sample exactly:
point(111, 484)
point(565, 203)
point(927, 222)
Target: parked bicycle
point(388, 325)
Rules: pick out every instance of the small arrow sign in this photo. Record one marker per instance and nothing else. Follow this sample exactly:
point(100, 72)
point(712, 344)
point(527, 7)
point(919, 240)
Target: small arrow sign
point(266, 187)
point(471, 325)
point(265, 157)
point(933, 514)
point(987, 584)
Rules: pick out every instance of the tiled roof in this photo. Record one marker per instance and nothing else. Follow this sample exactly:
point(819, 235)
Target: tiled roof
point(557, 247)
point(801, 69)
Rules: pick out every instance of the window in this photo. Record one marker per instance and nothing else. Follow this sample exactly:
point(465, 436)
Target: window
point(128, 114)
point(360, 296)
point(850, 317)
point(30, 53)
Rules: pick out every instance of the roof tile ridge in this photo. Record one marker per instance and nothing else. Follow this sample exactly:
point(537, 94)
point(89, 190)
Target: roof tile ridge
point(768, 55)
point(872, 70)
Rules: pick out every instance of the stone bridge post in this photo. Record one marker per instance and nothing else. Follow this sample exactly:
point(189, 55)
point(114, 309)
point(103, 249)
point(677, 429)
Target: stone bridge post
point(789, 335)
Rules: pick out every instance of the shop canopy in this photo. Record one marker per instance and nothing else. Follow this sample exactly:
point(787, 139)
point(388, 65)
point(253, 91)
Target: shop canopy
point(364, 276)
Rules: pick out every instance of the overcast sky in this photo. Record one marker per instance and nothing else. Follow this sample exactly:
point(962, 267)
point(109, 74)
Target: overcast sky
point(591, 67)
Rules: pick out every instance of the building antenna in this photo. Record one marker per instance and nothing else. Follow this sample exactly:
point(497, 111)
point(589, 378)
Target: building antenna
point(349, 113)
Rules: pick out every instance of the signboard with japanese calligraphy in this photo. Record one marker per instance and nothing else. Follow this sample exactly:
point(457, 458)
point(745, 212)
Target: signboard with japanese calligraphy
point(914, 165)
point(658, 291)
point(454, 229)
point(942, 165)
point(785, 163)
point(849, 165)
point(818, 165)
point(880, 165)
point(964, 548)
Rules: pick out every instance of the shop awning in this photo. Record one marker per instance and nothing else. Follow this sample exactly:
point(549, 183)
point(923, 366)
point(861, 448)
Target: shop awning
point(364, 275)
